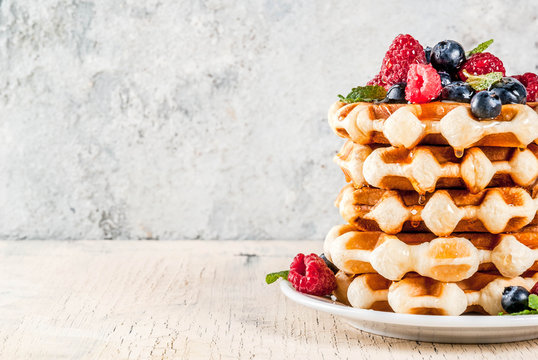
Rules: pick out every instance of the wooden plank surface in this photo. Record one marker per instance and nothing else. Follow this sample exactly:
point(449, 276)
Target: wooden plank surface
point(180, 300)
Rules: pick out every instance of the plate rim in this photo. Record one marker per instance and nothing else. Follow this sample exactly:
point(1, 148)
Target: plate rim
point(430, 321)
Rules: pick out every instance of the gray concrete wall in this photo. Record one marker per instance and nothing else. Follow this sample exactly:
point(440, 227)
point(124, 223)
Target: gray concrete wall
point(200, 119)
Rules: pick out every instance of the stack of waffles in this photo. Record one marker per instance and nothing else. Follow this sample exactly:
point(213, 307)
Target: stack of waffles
point(440, 206)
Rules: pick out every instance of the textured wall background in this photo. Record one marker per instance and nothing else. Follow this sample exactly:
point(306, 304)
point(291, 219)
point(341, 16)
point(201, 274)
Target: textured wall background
point(199, 119)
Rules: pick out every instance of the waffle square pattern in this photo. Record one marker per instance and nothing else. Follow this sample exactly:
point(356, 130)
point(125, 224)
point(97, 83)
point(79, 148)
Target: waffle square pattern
point(441, 207)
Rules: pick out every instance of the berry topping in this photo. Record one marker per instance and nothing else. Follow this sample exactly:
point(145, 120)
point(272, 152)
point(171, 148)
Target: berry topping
point(447, 56)
point(396, 94)
point(515, 299)
point(329, 264)
point(445, 78)
point(532, 91)
point(309, 274)
point(423, 83)
point(486, 104)
point(480, 64)
point(530, 81)
point(510, 91)
point(376, 81)
point(458, 91)
point(403, 52)
point(526, 78)
point(428, 54)
point(420, 73)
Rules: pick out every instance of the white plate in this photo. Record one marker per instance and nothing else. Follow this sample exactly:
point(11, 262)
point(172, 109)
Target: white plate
point(432, 328)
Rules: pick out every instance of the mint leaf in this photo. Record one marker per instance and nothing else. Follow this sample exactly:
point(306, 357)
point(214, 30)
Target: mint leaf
point(480, 47)
point(482, 82)
point(364, 93)
point(272, 277)
point(533, 301)
point(533, 305)
point(525, 312)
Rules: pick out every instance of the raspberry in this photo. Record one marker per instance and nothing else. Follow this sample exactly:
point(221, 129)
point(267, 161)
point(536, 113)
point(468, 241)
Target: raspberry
point(529, 77)
point(309, 274)
point(530, 81)
point(532, 91)
point(480, 64)
point(403, 51)
point(423, 83)
point(526, 78)
point(377, 81)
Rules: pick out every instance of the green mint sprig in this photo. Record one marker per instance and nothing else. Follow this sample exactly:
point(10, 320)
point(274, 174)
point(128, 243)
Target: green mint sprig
point(272, 277)
point(533, 301)
point(482, 82)
point(480, 48)
point(524, 312)
point(533, 307)
point(368, 93)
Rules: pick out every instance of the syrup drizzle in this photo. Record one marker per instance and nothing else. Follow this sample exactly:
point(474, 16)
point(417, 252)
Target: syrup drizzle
point(458, 153)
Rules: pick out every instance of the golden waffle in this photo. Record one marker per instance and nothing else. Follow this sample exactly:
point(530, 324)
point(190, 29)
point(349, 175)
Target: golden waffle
point(442, 212)
point(421, 295)
point(448, 259)
point(426, 168)
point(406, 125)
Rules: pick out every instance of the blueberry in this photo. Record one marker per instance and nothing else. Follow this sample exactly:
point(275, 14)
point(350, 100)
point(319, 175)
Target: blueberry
point(395, 94)
point(445, 78)
point(428, 53)
point(447, 56)
point(329, 264)
point(458, 91)
point(510, 90)
point(515, 299)
point(486, 104)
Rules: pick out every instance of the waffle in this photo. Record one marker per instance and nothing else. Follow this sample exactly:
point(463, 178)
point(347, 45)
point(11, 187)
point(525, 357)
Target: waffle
point(449, 259)
point(406, 125)
point(426, 168)
point(493, 210)
point(420, 295)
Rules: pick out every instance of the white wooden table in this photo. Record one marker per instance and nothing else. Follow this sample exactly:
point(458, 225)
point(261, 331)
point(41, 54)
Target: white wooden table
point(184, 300)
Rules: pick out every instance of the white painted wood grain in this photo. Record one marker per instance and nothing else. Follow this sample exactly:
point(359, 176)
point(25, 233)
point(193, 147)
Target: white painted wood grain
point(180, 300)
